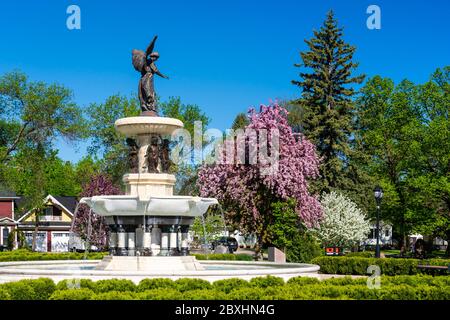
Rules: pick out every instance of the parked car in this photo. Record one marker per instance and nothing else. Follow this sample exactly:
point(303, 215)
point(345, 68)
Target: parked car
point(229, 242)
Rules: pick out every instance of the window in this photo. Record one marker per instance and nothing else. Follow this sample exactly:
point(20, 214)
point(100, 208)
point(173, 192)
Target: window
point(386, 233)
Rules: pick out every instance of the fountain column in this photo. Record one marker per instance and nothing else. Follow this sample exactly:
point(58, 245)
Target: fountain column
point(131, 243)
point(147, 241)
point(173, 245)
point(121, 241)
point(184, 240)
point(112, 240)
point(165, 233)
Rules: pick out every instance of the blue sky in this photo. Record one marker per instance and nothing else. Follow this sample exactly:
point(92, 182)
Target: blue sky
point(224, 56)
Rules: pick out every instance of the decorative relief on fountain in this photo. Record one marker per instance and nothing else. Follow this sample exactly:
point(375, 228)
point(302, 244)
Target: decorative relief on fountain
point(133, 160)
point(152, 154)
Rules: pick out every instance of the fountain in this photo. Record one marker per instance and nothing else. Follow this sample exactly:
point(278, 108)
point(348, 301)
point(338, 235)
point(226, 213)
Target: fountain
point(149, 220)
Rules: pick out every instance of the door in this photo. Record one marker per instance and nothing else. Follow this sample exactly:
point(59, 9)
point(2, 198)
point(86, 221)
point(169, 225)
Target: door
point(60, 241)
point(41, 240)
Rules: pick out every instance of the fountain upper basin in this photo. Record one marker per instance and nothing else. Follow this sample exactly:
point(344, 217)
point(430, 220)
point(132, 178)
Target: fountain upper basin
point(133, 126)
point(130, 205)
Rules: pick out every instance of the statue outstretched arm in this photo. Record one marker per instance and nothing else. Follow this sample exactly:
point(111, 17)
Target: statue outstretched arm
point(156, 71)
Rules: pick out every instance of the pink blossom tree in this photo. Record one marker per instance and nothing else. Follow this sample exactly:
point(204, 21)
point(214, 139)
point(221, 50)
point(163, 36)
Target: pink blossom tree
point(87, 225)
point(247, 190)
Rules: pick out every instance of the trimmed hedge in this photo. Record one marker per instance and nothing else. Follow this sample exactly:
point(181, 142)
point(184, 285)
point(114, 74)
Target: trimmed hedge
point(26, 255)
point(156, 283)
point(224, 256)
point(418, 287)
point(363, 254)
point(73, 294)
point(359, 265)
point(120, 285)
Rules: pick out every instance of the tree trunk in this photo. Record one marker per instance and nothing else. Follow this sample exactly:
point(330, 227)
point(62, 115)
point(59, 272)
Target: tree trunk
point(36, 230)
point(447, 252)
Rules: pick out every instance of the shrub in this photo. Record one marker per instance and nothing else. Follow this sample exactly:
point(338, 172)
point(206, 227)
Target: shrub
point(160, 294)
point(75, 284)
point(156, 283)
point(247, 294)
point(114, 285)
point(302, 281)
point(72, 294)
point(186, 284)
point(204, 294)
point(224, 256)
point(115, 295)
point(268, 281)
point(226, 285)
point(19, 290)
point(43, 288)
point(364, 254)
point(27, 255)
point(4, 294)
point(359, 265)
point(303, 249)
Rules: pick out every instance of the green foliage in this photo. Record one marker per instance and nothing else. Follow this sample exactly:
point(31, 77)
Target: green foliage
point(36, 113)
point(287, 233)
point(21, 240)
point(327, 105)
point(73, 294)
point(204, 294)
point(285, 224)
point(160, 294)
point(105, 140)
point(240, 122)
point(302, 281)
point(188, 113)
point(403, 132)
point(226, 285)
point(121, 285)
point(224, 256)
point(304, 248)
point(19, 290)
point(359, 265)
point(416, 287)
point(115, 295)
point(214, 226)
point(26, 255)
point(43, 287)
point(186, 284)
point(246, 294)
point(364, 254)
point(4, 294)
point(155, 283)
point(76, 284)
point(268, 281)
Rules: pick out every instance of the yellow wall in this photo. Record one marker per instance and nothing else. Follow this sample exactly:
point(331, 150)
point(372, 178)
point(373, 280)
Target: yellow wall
point(65, 217)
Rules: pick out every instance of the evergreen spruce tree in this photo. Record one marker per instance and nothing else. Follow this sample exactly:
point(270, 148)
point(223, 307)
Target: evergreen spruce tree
point(327, 105)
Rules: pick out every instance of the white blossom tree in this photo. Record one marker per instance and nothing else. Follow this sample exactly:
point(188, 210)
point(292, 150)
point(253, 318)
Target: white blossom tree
point(343, 223)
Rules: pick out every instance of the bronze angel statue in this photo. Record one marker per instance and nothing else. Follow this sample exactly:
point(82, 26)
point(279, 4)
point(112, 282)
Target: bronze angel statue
point(144, 62)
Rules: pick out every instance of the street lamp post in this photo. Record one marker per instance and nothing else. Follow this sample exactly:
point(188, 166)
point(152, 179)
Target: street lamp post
point(378, 192)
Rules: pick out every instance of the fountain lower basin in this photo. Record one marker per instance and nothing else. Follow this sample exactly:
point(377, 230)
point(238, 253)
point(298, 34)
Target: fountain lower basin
point(213, 270)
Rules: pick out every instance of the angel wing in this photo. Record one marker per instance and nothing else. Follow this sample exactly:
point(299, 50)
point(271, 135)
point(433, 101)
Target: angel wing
point(151, 46)
point(139, 59)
